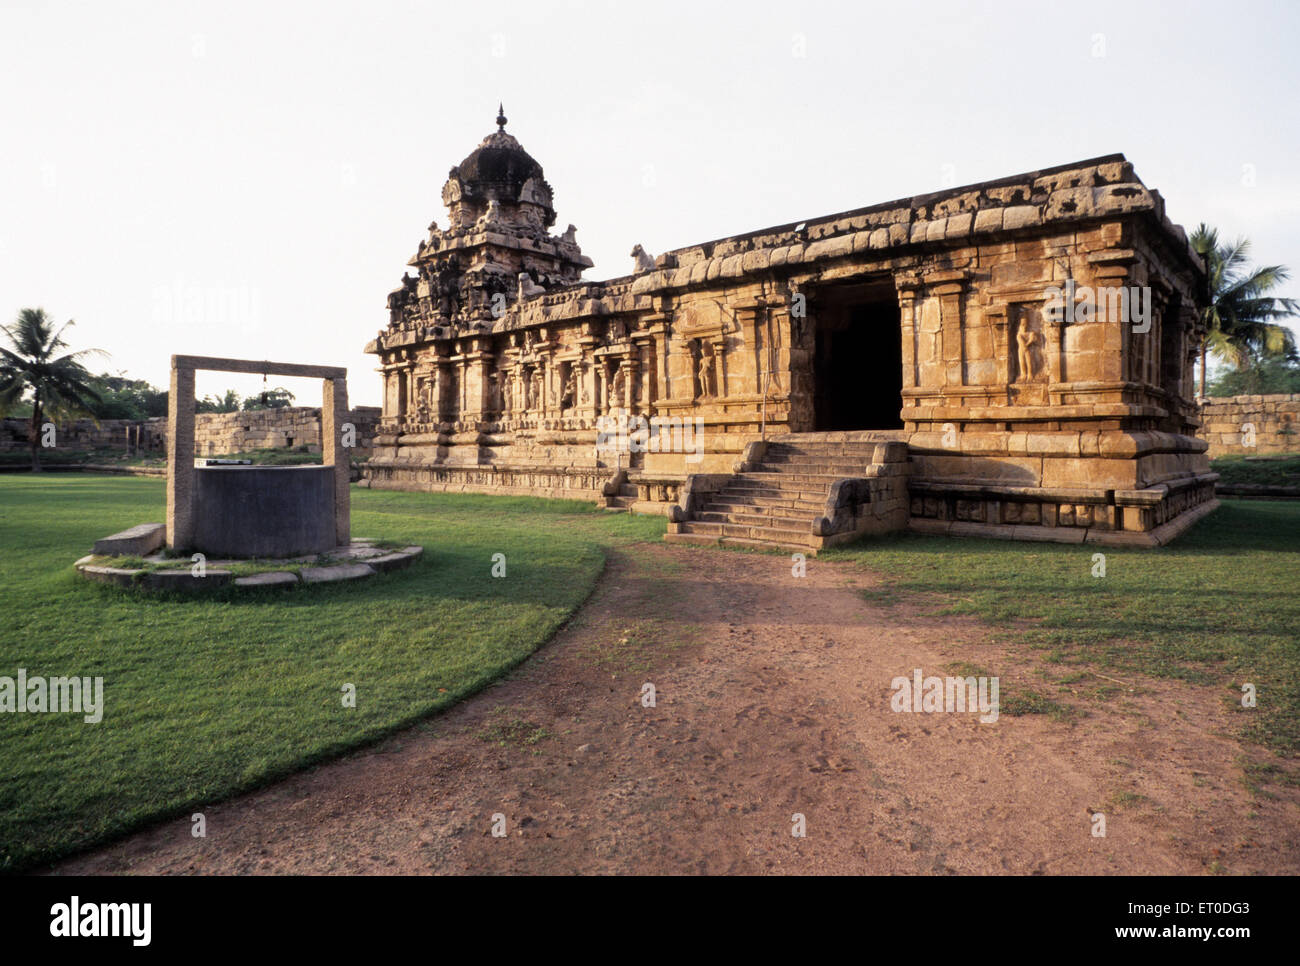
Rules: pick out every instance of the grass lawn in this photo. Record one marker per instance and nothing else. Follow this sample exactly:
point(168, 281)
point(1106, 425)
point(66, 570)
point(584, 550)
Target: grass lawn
point(1220, 606)
point(204, 698)
point(116, 455)
point(1274, 471)
point(208, 697)
point(58, 455)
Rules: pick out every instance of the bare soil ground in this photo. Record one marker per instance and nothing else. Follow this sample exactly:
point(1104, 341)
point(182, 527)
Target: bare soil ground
point(772, 698)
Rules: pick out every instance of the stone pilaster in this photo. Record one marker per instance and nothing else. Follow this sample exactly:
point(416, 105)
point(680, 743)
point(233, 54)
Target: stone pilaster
point(333, 415)
point(180, 458)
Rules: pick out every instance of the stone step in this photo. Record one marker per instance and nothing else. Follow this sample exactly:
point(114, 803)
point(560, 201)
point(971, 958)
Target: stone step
point(751, 520)
point(619, 502)
point(653, 508)
point(784, 535)
point(792, 493)
point(741, 503)
point(705, 540)
point(838, 468)
point(854, 450)
point(778, 476)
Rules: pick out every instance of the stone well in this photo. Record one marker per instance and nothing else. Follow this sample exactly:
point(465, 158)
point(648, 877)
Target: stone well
point(258, 511)
point(263, 511)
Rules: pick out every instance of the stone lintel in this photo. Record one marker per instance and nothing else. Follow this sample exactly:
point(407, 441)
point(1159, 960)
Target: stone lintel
point(216, 364)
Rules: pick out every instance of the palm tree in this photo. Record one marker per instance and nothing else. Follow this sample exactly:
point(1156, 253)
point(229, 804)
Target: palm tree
point(1240, 319)
point(59, 383)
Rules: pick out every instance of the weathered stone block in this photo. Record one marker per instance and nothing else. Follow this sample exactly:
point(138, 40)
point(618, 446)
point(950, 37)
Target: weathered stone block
point(1021, 216)
point(137, 541)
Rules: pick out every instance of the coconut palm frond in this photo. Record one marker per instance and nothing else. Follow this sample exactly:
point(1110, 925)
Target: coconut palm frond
point(1242, 319)
point(37, 360)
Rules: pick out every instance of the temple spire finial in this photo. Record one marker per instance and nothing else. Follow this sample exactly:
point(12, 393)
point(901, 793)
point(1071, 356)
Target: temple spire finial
point(501, 117)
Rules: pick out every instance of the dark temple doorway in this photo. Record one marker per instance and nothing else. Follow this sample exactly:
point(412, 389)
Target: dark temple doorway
point(858, 358)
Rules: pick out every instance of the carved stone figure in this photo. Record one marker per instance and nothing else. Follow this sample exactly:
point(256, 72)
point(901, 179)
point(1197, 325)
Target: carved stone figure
point(704, 374)
point(1027, 340)
point(494, 391)
point(527, 287)
point(616, 387)
point(492, 216)
point(641, 262)
point(570, 393)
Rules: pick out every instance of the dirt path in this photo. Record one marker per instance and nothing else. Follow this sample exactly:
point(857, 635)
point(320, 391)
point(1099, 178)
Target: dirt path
point(772, 699)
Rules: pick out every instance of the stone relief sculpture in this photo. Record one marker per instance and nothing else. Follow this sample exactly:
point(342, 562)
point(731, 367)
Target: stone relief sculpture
point(706, 386)
point(1028, 341)
point(616, 388)
point(492, 216)
point(568, 397)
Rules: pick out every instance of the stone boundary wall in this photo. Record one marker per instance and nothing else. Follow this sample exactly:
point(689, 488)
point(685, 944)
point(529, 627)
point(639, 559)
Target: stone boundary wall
point(1275, 419)
point(79, 434)
point(236, 432)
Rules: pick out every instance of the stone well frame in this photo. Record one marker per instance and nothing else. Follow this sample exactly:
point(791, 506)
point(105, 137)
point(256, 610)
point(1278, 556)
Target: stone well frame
point(180, 437)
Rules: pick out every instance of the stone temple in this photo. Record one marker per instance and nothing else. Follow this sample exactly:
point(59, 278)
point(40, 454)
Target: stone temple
point(1008, 359)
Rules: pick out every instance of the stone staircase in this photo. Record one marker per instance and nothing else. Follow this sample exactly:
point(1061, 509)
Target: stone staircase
point(801, 492)
point(622, 499)
point(639, 491)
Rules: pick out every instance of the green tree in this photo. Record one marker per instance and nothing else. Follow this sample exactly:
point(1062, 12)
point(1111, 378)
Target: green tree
point(35, 360)
point(1275, 374)
point(123, 398)
point(1241, 318)
point(229, 403)
point(276, 398)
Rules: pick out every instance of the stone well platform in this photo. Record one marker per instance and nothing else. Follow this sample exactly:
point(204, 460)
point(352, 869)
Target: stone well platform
point(360, 559)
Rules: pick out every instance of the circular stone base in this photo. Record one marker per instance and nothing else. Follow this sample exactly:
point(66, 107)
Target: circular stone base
point(359, 559)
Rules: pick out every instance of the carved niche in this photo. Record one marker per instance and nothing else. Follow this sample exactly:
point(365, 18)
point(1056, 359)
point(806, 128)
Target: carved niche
point(1027, 346)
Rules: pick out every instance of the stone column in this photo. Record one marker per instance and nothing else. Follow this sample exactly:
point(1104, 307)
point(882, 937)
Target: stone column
point(907, 320)
point(333, 414)
point(663, 387)
point(477, 381)
point(719, 366)
point(647, 371)
point(441, 403)
point(749, 319)
point(630, 375)
point(180, 458)
point(406, 394)
point(952, 319)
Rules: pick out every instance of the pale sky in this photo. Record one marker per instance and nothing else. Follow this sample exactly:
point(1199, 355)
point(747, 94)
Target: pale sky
point(249, 179)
